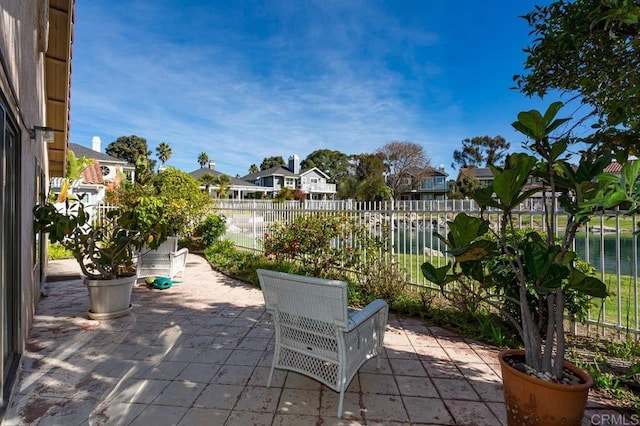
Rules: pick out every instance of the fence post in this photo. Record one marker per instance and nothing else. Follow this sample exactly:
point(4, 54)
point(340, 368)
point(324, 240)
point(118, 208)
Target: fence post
point(392, 245)
point(254, 219)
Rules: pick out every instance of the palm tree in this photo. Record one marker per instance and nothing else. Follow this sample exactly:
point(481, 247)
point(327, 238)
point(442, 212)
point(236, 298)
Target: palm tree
point(208, 180)
point(163, 151)
point(224, 183)
point(253, 169)
point(203, 159)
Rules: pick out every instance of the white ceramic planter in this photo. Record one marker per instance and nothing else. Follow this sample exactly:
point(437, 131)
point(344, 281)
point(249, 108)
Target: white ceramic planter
point(110, 298)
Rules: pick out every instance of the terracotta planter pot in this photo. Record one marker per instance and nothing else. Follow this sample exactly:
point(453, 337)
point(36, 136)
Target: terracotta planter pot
point(110, 298)
point(531, 401)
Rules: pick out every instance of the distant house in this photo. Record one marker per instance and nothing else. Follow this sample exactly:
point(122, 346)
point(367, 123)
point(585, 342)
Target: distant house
point(238, 188)
point(615, 168)
point(485, 177)
point(433, 187)
point(481, 174)
point(105, 171)
point(110, 167)
point(312, 182)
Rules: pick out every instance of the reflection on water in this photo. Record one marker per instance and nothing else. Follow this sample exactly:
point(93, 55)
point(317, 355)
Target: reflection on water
point(419, 241)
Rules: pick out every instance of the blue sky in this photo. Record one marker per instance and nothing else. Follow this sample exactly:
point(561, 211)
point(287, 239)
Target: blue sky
point(243, 80)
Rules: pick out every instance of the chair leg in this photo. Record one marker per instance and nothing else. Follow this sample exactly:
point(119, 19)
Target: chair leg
point(273, 366)
point(340, 403)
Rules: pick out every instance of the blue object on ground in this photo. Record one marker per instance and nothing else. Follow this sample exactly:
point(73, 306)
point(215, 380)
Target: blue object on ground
point(162, 283)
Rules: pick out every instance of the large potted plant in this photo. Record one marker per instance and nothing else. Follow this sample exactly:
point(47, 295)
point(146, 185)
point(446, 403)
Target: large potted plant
point(535, 272)
point(104, 249)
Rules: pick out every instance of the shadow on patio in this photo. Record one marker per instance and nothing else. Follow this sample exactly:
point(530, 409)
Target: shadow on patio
point(200, 352)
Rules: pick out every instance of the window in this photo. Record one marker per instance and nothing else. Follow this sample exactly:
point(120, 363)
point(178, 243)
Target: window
point(105, 170)
point(10, 242)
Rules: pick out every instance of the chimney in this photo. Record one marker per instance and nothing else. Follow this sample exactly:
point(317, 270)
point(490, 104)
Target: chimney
point(441, 167)
point(294, 164)
point(95, 143)
point(212, 165)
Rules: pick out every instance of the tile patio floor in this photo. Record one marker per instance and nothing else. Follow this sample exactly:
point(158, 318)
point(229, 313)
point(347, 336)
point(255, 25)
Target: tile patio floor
point(199, 354)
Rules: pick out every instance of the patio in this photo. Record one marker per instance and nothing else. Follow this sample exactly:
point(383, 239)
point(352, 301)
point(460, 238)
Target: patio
point(199, 353)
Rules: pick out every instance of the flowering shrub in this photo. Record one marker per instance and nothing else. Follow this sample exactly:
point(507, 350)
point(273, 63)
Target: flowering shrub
point(325, 244)
point(211, 228)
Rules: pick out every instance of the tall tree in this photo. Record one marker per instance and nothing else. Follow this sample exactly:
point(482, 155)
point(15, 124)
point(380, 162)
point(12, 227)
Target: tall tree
point(203, 159)
point(480, 151)
point(367, 183)
point(253, 168)
point(407, 166)
point(269, 162)
point(208, 180)
point(590, 49)
point(224, 184)
point(334, 163)
point(133, 149)
point(163, 151)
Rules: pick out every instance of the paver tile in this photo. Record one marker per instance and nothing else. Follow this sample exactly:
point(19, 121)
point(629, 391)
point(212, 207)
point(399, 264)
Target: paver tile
point(416, 386)
point(378, 384)
point(471, 413)
point(204, 416)
point(159, 415)
point(180, 393)
point(259, 399)
point(388, 408)
point(260, 377)
point(297, 420)
point(455, 389)
point(300, 381)
point(141, 391)
point(199, 372)
point(233, 374)
point(218, 396)
point(350, 405)
point(407, 367)
point(168, 370)
point(299, 401)
point(115, 413)
point(427, 410)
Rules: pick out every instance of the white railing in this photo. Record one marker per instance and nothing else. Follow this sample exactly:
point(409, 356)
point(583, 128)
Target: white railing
point(318, 187)
point(608, 243)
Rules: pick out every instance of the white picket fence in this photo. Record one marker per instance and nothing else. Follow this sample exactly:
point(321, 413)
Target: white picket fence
point(608, 243)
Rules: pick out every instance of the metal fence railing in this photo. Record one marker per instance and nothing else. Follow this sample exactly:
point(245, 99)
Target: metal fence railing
point(608, 243)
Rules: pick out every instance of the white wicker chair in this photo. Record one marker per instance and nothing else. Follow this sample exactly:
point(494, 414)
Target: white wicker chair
point(316, 334)
point(165, 261)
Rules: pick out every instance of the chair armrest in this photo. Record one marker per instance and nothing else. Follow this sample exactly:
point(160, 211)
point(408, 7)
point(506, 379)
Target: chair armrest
point(370, 310)
point(182, 252)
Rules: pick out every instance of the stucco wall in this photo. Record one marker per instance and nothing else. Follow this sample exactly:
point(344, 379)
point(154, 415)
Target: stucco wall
point(22, 87)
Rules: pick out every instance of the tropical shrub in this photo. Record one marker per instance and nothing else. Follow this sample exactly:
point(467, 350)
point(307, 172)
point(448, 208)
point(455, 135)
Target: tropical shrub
point(211, 229)
point(324, 243)
point(172, 198)
point(541, 268)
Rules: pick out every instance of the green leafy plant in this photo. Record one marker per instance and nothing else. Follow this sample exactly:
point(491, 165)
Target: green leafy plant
point(211, 229)
point(542, 266)
point(325, 244)
point(104, 250)
point(172, 199)
point(57, 252)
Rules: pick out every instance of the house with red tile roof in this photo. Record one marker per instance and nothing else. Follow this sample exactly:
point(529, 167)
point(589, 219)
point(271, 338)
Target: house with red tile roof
point(105, 171)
